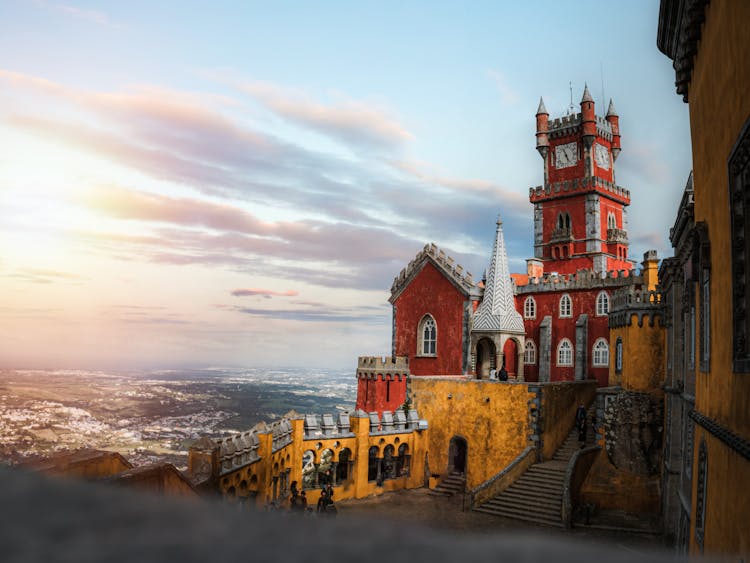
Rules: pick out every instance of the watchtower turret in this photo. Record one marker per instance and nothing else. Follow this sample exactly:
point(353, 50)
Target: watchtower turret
point(579, 212)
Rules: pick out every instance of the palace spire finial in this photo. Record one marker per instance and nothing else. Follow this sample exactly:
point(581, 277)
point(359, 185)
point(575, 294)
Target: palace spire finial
point(497, 311)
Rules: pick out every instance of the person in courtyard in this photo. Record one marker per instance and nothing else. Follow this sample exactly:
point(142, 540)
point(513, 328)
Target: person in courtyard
point(581, 423)
point(503, 374)
point(493, 374)
point(329, 492)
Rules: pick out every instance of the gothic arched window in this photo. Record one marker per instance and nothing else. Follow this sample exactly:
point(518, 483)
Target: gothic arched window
point(602, 304)
point(565, 353)
point(566, 306)
point(427, 337)
point(529, 353)
point(611, 221)
point(618, 355)
point(529, 308)
point(601, 353)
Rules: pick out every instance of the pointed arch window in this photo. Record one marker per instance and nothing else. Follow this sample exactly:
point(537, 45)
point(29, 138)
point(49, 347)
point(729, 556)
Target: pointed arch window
point(427, 337)
point(611, 220)
point(529, 308)
point(601, 353)
point(566, 306)
point(602, 304)
point(565, 353)
point(529, 353)
point(618, 355)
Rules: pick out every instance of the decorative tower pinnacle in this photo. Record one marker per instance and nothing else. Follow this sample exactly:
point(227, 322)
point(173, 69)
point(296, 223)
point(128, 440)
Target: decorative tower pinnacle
point(614, 122)
point(497, 312)
point(542, 130)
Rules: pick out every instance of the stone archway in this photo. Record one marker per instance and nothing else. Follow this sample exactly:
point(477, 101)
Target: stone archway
point(485, 357)
point(457, 455)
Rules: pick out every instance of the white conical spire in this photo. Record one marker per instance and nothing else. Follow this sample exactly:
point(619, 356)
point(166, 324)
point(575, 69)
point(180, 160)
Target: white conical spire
point(541, 109)
point(586, 94)
point(497, 312)
point(612, 111)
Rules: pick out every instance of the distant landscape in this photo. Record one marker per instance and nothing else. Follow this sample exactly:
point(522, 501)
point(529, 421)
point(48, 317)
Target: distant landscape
point(153, 415)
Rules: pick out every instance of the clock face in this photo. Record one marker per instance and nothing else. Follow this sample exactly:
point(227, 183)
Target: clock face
point(601, 155)
point(566, 155)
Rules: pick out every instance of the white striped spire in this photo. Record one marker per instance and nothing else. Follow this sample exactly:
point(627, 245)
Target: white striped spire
point(497, 311)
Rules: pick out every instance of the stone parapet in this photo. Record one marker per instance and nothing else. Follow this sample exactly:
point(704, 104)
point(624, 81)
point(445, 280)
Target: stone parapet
point(552, 190)
point(324, 426)
point(444, 262)
point(237, 451)
point(583, 279)
point(373, 367)
point(570, 124)
point(395, 422)
point(633, 300)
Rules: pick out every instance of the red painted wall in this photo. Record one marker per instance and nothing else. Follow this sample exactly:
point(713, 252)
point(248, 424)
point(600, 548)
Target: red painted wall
point(430, 292)
point(375, 394)
point(548, 303)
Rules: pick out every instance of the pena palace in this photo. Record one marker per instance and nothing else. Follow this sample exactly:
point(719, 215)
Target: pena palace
point(549, 324)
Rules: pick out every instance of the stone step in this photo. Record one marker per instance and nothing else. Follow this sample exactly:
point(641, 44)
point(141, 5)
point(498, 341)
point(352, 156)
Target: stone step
point(540, 487)
point(551, 512)
point(521, 515)
point(530, 501)
point(552, 471)
point(538, 478)
point(533, 492)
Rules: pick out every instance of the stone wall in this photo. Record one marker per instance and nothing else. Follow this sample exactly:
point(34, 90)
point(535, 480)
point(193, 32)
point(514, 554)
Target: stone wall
point(558, 402)
point(491, 416)
point(258, 467)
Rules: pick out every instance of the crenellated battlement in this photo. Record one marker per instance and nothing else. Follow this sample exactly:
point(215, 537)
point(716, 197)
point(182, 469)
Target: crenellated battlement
point(380, 363)
point(571, 124)
point(437, 256)
point(583, 279)
point(393, 422)
point(634, 300)
point(238, 450)
point(376, 367)
point(554, 189)
point(324, 426)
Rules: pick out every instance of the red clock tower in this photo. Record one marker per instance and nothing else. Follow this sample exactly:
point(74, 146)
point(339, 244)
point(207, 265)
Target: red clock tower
point(579, 213)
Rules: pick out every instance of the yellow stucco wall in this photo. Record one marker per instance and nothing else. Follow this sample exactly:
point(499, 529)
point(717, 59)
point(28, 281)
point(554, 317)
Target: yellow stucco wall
point(491, 416)
point(719, 108)
point(642, 356)
point(726, 526)
point(255, 481)
point(559, 403)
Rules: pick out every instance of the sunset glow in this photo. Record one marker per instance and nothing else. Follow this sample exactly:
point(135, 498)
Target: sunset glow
point(232, 186)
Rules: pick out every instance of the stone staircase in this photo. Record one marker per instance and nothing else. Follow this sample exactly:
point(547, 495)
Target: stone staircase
point(536, 496)
point(450, 485)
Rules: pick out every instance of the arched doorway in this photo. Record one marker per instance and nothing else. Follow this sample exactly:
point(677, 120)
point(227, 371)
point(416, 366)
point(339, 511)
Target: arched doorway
point(457, 455)
point(485, 358)
point(510, 357)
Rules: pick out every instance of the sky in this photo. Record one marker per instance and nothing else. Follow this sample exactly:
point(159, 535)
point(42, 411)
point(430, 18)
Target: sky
point(238, 183)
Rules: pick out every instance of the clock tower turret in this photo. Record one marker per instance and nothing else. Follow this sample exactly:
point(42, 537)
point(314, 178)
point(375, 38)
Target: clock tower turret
point(579, 212)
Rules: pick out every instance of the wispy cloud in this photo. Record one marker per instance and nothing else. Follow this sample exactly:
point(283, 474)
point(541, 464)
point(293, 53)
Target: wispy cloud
point(331, 315)
point(36, 275)
point(356, 221)
point(507, 94)
point(245, 292)
point(94, 16)
point(353, 123)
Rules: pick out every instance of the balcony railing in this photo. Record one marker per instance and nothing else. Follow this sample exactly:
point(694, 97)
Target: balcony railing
point(562, 234)
point(617, 235)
